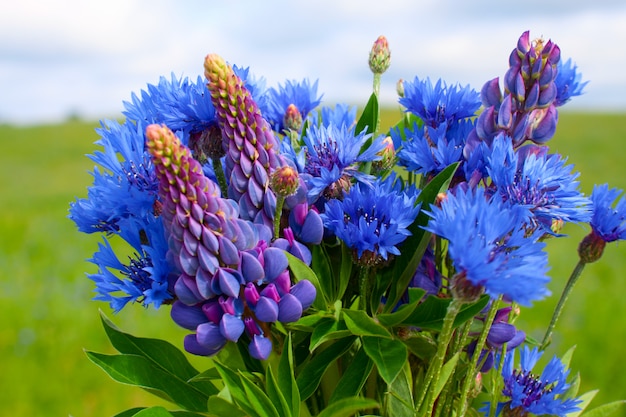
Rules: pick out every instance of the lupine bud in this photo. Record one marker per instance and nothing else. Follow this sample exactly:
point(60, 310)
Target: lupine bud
point(252, 148)
point(380, 56)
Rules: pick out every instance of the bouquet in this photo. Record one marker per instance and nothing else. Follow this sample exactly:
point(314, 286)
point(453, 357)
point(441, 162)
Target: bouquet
point(326, 268)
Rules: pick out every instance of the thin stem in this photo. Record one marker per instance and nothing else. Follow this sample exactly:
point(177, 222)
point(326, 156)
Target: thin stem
point(495, 386)
point(280, 200)
point(480, 343)
point(559, 307)
point(376, 84)
point(364, 275)
point(219, 174)
point(427, 392)
point(446, 399)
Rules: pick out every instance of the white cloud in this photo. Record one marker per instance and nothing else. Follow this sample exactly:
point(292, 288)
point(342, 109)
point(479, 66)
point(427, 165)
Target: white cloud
point(87, 57)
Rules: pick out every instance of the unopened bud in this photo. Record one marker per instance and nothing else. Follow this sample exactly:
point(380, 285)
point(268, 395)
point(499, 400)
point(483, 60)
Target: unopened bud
point(285, 181)
point(400, 88)
point(591, 248)
point(380, 56)
point(388, 156)
point(293, 118)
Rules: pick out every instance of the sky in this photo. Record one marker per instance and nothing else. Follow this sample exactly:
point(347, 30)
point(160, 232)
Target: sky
point(85, 58)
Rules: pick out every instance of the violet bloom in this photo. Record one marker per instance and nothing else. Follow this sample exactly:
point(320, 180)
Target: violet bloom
point(252, 150)
point(534, 394)
point(230, 283)
point(526, 111)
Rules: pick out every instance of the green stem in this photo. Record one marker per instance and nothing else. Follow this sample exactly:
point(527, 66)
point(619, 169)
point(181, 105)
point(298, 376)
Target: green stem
point(495, 386)
point(280, 200)
point(471, 370)
point(446, 399)
point(427, 392)
point(559, 307)
point(376, 84)
point(364, 275)
point(219, 173)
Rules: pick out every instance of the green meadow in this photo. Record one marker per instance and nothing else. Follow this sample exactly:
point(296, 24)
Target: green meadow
point(48, 317)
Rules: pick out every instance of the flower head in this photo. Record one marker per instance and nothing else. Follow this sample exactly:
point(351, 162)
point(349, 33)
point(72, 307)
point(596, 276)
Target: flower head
point(541, 183)
point(439, 103)
point(489, 246)
point(536, 394)
point(568, 82)
point(252, 149)
point(301, 95)
point(332, 155)
point(373, 221)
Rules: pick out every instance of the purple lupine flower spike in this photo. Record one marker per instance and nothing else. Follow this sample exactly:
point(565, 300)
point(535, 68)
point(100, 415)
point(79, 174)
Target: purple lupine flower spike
point(252, 150)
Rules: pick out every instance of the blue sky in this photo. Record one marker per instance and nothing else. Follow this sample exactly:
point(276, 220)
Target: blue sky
point(86, 57)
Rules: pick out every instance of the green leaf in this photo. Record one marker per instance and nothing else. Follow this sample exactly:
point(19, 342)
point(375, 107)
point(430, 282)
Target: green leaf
point(275, 394)
point(389, 355)
point(405, 310)
point(430, 313)
point(606, 410)
point(233, 383)
point(311, 374)
point(220, 407)
point(137, 370)
point(567, 357)
point(421, 346)
point(399, 400)
point(360, 324)
point(348, 407)
point(321, 265)
point(345, 270)
point(154, 412)
point(328, 329)
point(354, 377)
point(446, 371)
point(162, 353)
point(586, 400)
point(415, 245)
point(301, 271)
point(369, 118)
point(287, 378)
point(257, 398)
point(130, 412)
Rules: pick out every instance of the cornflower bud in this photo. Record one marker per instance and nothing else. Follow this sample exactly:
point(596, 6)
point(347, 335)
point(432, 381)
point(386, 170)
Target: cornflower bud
point(380, 56)
point(284, 181)
point(591, 248)
point(293, 118)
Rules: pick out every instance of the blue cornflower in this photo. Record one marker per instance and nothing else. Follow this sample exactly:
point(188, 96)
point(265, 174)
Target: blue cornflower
point(539, 182)
point(127, 187)
point(489, 247)
point(342, 114)
point(530, 393)
point(374, 220)
point(145, 277)
point(567, 82)
point(180, 104)
point(301, 94)
point(332, 154)
point(608, 221)
point(430, 150)
point(439, 103)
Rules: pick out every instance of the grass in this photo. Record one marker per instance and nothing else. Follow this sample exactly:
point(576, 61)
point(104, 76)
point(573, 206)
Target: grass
point(48, 317)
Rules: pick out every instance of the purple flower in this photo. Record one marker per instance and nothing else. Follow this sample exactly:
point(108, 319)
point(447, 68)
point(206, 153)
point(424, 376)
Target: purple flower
point(535, 394)
point(252, 150)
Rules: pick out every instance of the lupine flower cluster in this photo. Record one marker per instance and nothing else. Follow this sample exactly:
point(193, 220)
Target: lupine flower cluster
point(295, 230)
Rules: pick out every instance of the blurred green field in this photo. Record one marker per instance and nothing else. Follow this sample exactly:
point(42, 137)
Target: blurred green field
point(48, 317)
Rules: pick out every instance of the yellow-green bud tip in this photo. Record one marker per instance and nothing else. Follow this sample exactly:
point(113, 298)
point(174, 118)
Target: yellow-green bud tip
point(380, 56)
